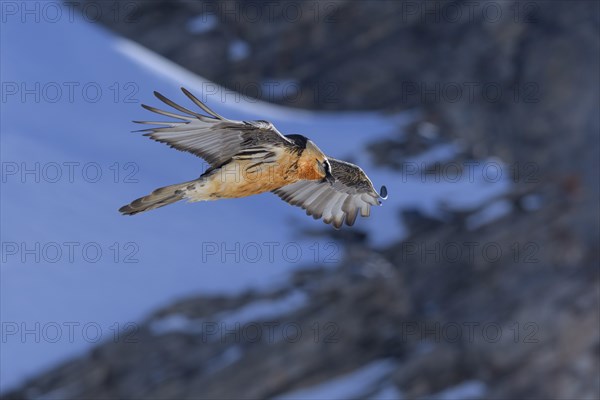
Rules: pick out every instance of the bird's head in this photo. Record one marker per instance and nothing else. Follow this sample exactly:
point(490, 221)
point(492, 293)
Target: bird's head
point(315, 165)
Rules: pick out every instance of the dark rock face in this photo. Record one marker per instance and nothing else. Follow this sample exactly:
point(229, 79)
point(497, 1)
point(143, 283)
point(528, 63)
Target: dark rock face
point(523, 322)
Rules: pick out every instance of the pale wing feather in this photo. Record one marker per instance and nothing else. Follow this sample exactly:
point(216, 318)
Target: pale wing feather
point(351, 193)
point(212, 137)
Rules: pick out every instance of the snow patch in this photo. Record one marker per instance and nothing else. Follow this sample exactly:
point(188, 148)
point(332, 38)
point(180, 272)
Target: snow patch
point(229, 357)
point(388, 392)
point(259, 310)
point(468, 390)
point(202, 23)
point(489, 214)
point(350, 386)
point(238, 50)
point(532, 202)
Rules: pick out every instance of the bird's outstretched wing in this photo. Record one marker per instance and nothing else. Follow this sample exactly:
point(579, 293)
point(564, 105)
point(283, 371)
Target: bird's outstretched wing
point(351, 192)
point(212, 137)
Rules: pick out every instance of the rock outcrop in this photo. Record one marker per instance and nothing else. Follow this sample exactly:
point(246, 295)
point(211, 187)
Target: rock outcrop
point(513, 314)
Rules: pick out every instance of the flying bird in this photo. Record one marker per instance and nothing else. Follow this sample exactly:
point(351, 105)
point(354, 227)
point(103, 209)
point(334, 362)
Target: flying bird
point(251, 157)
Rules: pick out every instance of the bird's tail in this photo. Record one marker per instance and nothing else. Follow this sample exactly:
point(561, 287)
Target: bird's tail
point(159, 198)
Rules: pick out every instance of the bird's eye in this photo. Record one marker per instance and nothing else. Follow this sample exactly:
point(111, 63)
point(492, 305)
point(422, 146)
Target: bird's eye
point(326, 166)
point(321, 166)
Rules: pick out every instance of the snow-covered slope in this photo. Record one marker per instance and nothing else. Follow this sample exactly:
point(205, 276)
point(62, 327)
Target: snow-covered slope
point(70, 90)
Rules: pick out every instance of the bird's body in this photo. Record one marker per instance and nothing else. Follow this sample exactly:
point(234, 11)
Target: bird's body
point(252, 157)
point(246, 176)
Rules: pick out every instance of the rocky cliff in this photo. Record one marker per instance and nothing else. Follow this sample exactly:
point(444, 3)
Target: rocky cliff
point(510, 79)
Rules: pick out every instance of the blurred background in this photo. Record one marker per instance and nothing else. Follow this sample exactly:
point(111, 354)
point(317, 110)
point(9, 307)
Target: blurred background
point(478, 278)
